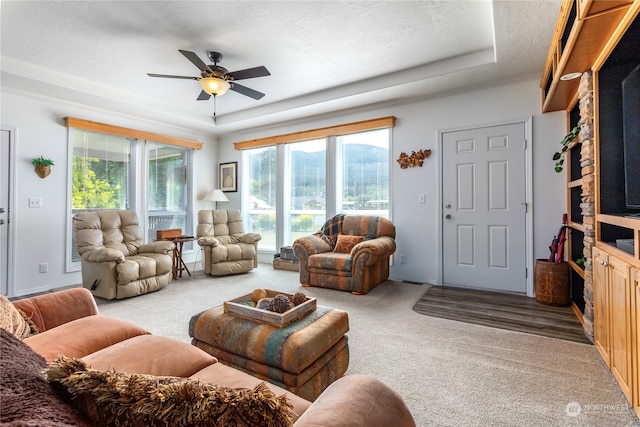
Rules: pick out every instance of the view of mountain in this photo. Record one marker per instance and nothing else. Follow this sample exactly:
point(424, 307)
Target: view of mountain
point(365, 176)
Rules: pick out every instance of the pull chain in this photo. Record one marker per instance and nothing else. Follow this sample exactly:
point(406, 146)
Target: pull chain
point(214, 109)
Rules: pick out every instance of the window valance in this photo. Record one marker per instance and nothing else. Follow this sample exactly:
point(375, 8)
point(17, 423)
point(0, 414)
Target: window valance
point(73, 122)
point(344, 129)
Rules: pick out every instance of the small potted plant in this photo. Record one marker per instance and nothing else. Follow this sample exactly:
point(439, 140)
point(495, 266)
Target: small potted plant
point(43, 166)
point(566, 144)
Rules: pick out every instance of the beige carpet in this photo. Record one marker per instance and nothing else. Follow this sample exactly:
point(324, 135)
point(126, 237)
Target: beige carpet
point(449, 373)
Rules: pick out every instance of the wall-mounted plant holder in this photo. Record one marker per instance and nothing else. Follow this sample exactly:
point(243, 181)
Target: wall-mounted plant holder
point(43, 166)
point(415, 159)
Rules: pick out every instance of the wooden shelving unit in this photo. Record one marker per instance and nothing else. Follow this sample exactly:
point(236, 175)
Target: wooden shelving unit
point(583, 30)
point(616, 267)
point(601, 36)
point(575, 237)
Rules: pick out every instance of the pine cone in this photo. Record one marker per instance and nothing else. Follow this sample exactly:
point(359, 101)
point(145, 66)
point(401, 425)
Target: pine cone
point(279, 304)
point(299, 298)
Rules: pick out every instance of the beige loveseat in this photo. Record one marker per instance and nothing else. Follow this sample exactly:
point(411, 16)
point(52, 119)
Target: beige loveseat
point(349, 253)
point(227, 248)
point(70, 324)
point(116, 263)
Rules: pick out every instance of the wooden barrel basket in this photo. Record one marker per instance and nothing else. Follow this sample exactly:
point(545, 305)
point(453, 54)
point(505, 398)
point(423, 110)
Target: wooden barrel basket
point(551, 282)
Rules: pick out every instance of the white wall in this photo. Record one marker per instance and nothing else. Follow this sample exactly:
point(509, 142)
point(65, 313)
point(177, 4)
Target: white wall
point(40, 234)
point(417, 128)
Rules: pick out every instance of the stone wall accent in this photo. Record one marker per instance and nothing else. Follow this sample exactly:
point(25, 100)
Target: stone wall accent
point(587, 205)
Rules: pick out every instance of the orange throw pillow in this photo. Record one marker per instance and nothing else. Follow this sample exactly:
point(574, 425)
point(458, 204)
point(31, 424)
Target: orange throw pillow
point(345, 243)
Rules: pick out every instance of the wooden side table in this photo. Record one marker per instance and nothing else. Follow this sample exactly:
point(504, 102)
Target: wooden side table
point(178, 263)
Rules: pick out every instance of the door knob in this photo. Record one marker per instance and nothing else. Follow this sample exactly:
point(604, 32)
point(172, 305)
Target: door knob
point(1, 210)
point(1, 221)
point(447, 216)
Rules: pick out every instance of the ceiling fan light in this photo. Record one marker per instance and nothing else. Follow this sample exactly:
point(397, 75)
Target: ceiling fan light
point(214, 85)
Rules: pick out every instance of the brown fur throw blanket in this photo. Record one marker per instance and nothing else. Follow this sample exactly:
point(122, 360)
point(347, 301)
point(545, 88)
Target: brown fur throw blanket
point(122, 399)
point(26, 398)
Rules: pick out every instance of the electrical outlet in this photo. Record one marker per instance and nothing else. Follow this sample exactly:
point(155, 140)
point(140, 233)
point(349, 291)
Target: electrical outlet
point(421, 198)
point(35, 203)
point(44, 267)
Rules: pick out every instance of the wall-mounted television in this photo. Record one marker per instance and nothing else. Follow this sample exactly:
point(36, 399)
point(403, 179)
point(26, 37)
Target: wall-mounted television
point(631, 137)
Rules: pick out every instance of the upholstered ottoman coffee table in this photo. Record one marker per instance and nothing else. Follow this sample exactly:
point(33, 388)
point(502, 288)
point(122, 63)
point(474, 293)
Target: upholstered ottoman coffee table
point(304, 357)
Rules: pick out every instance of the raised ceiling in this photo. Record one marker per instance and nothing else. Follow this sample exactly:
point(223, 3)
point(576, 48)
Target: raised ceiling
point(324, 56)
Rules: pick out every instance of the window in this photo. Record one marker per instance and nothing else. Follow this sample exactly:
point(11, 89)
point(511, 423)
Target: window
point(261, 203)
point(314, 180)
point(101, 170)
point(100, 175)
point(305, 184)
point(105, 164)
point(364, 183)
point(168, 189)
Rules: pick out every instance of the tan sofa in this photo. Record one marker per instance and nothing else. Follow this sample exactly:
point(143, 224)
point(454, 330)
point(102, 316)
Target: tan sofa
point(349, 253)
point(227, 248)
point(116, 263)
point(71, 325)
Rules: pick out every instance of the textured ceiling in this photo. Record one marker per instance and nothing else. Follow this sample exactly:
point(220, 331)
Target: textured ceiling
point(323, 56)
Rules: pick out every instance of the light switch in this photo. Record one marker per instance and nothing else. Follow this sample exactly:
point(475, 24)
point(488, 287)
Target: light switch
point(421, 198)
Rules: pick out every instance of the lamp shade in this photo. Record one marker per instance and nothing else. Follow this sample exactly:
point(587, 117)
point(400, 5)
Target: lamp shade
point(214, 85)
point(215, 196)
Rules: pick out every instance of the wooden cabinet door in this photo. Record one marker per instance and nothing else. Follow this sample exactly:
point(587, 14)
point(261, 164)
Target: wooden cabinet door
point(601, 338)
point(620, 316)
point(635, 280)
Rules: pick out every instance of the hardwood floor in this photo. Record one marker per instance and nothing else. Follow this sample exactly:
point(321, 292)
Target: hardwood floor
point(499, 310)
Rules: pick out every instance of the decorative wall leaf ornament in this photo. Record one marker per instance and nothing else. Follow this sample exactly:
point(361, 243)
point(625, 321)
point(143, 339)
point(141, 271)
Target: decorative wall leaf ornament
point(415, 159)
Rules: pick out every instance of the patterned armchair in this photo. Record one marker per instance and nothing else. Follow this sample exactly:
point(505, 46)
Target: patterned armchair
point(349, 253)
point(115, 261)
point(227, 248)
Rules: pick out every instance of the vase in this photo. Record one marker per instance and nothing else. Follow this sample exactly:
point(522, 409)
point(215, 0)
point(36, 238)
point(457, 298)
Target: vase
point(551, 282)
point(43, 171)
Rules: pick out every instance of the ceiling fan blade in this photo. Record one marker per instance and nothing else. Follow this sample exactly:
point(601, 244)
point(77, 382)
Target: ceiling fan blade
point(203, 96)
point(246, 91)
point(195, 60)
point(250, 73)
point(168, 76)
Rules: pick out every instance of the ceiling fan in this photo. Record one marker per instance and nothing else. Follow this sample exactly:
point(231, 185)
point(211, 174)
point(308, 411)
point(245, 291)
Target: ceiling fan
point(216, 80)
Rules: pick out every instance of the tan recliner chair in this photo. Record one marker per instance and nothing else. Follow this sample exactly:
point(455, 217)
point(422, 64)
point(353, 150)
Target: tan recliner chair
point(115, 261)
point(227, 248)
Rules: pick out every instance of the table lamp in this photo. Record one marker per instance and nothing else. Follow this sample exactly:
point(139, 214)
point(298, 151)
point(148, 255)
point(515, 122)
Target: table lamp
point(215, 196)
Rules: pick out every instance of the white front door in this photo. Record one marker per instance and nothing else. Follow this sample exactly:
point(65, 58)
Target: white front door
point(484, 209)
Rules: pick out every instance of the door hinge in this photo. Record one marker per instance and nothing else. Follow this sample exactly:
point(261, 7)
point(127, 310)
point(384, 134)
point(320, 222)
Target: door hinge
point(526, 272)
point(526, 206)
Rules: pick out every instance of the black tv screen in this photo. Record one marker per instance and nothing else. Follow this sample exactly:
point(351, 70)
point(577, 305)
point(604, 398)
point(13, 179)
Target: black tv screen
point(631, 137)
